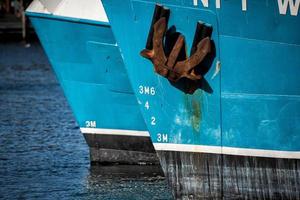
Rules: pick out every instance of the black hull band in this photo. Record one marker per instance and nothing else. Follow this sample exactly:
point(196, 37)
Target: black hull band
point(215, 176)
point(111, 149)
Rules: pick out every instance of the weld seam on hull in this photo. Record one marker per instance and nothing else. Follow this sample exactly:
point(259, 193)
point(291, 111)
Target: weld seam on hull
point(227, 150)
point(115, 132)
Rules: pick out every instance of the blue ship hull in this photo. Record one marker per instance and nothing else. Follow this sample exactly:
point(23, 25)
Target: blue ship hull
point(234, 133)
point(90, 69)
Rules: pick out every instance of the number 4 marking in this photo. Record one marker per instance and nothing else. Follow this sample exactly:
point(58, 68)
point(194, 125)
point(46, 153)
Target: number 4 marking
point(147, 105)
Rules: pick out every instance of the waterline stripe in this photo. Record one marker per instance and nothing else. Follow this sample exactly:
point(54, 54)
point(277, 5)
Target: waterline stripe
point(227, 150)
point(102, 131)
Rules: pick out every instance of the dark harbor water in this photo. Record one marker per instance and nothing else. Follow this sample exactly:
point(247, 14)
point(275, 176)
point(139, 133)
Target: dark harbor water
point(42, 152)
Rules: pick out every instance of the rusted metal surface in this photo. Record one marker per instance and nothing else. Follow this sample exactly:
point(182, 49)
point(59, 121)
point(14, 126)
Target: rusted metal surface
point(171, 67)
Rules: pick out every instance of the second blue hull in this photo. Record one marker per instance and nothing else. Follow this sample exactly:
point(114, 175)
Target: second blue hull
point(89, 67)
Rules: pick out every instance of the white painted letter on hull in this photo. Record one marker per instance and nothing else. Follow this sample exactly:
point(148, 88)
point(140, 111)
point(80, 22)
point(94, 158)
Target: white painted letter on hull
point(244, 5)
point(204, 3)
point(218, 3)
point(292, 4)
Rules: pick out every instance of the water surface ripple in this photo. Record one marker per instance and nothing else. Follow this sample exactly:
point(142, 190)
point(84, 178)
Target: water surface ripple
point(42, 152)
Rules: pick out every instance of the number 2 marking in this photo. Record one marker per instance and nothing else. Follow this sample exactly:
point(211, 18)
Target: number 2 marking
point(153, 121)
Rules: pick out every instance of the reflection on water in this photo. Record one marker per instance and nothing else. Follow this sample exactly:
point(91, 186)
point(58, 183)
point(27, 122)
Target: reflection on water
point(127, 182)
point(42, 152)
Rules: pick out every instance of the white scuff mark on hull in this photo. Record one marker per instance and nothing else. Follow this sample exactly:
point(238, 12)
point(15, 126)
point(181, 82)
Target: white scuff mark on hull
point(139, 102)
point(217, 70)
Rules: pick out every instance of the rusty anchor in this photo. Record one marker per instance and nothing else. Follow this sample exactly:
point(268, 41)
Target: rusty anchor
point(170, 66)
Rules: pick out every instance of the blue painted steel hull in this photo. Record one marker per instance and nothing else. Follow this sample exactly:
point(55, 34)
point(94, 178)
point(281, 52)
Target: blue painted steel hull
point(247, 117)
point(89, 67)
